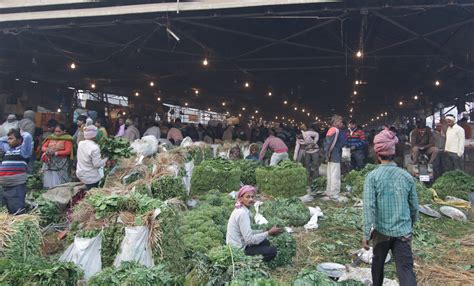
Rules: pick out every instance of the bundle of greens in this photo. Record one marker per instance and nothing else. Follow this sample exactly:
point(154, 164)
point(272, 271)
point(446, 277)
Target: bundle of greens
point(454, 183)
point(217, 198)
point(38, 271)
point(248, 168)
point(115, 148)
point(50, 212)
point(167, 187)
point(354, 180)
point(424, 194)
point(131, 273)
point(199, 153)
point(319, 184)
point(112, 237)
point(286, 245)
point(224, 264)
point(217, 173)
point(287, 179)
point(35, 182)
point(20, 237)
point(291, 211)
point(254, 282)
point(199, 231)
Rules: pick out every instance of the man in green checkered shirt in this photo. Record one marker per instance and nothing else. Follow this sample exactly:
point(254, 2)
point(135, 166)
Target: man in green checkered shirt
point(390, 210)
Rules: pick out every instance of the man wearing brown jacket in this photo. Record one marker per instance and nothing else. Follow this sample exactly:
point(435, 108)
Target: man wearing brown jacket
point(422, 140)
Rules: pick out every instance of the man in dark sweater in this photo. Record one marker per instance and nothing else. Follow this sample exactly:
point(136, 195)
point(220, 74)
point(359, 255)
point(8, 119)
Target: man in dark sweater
point(356, 140)
point(422, 140)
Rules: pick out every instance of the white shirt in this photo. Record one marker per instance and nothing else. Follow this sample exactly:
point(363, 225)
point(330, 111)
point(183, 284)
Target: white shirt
point(239, 231)
point(154, 130)
point(455, 140)
point(89, 162)
point(311, 137)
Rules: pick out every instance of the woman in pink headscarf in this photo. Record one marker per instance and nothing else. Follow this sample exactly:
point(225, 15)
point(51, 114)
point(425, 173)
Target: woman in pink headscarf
point(239, 230)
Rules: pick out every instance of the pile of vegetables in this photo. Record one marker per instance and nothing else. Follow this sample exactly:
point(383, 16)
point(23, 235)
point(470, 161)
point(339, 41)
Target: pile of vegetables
point(319, 184)
point(286, 245)
point(115, 148)
point(224, 264)
point(199, 153)
point(216, 173)
point(131, 273)
point(291, 212)
point(287, 179)
point(50, 213)
point(354, 180)
point(35, 182)
point(38, 271)
point(112, 236)
point(167, 187)
point(454, 183)
point(248, 168)
point(423, 193)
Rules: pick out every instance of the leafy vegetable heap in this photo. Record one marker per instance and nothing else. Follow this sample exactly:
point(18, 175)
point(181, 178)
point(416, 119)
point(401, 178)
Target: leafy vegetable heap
point(217, 173)
point(454, 183)
point(287, 179)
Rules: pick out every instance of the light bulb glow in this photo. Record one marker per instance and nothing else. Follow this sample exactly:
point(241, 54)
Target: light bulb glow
point(137, 94)
point(400, 103)
point(270, 93)
point(205, 62)
point(285, 102)
point(359, 54)
point(59, 110)
point(256, 111)
point(247, 84)
point(223, 104)
point(73, 65)
point(185, 104)
point(415, 97)
point(437, 83)
point(93, 85)
point(296, 108)
point(152, 84)
point(196, 92)
point(355, 92)
point(159, 98)
point(243, 108)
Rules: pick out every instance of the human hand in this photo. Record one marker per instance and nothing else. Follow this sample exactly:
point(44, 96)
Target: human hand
point(365, 244)
point(275, 231)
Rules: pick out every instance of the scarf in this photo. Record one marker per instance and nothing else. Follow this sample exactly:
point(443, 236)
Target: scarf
point(245, 189)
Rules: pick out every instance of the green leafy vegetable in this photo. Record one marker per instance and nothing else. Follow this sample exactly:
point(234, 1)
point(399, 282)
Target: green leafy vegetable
point(454, 183)
point(167, 187)
point(291, 211)
point(287, 179)
point(115, 148)
point(218, 173)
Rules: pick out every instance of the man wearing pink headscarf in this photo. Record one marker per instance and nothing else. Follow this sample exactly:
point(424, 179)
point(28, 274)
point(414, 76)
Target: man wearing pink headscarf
point(239, 232)
point(390, 210)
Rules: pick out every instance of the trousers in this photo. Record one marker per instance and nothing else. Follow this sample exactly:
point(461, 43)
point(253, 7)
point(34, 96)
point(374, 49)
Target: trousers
point(451, 161)
point(402, 254)
point(311, 162)
point(333, 186)
point(14, 198)
point(264, 248)
point(357, 159)
point(432, 152)
point(278, 157)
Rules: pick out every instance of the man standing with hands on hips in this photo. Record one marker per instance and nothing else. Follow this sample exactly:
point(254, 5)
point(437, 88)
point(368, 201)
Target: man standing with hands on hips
point(390, 210)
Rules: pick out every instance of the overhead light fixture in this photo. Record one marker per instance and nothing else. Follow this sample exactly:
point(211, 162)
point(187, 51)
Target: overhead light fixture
point(173, 34)
point(357, 82)
point(73, 65)
point(71, 88)
point(276, 117)
point(17, 79)
point(400, 103)
point(34, 81)
point(240, 115)
point(415, 97)
point(256, 111)
point(93, 86)
point(269, 93)
point(159, 98)
point(152, 84)
point(205, 62)
point(208, 109)
point(302, 110)
point(185, 104)
point(308, 114)
point(223, 104)
point(296, 108)
point(247, 84)
point(355, 92)
point(285, 102)
point(386, 113)
point(437, 83)
point(243, 108)
point(359, 54)
point(137, 94)
point(59, 110)
point(196, 92)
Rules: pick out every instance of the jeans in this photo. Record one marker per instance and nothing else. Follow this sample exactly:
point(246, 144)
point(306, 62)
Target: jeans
point(452, 161)
point(357, 159)
point(333, 186)
point(277, 157)
point(14, 198)
point(311, 162)
point(264, 248)
point(402, 254)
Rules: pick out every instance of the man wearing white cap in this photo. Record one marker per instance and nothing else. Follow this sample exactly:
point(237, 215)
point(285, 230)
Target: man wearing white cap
point(89, 161)
point(10, 124)
point(454, 147)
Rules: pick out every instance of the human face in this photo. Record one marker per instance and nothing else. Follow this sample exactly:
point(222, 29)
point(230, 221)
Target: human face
point(80, 123)
point(450, 122)
point(338, 123)
point(248, 199)
point(13, 141)
point(58, 131)
point(352, 125)
point(121, 122)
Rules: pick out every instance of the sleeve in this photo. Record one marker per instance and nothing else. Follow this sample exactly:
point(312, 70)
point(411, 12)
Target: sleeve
point(369, 202)
point(413, 202)
point(297, 149)
point(168, 136)
point(45, 145)
point(27, 146)
point(4, 139)
point(327, 145)
point(363, 139)
point(67, 149)
point(461, 141)
point(264, 150)
point(250, 238)
point(316, 138)
point(97, 161)
point(413, 138)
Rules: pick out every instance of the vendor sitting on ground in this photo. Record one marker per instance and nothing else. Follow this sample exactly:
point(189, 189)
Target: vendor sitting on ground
point(253, 152)
point(240, 233)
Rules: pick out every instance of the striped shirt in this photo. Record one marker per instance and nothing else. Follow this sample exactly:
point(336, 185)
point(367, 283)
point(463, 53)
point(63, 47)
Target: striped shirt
point(13, 166)
point(390, 201)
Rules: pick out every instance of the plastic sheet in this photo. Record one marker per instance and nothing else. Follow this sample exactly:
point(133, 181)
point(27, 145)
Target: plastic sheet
point(85, 253)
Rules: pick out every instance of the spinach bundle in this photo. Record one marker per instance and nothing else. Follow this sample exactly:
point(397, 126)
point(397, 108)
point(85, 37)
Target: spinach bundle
point(112, 236)
point(454, 183)
point(115, 148)
point(355, 179)
point(292, 212)
point(248, 168)
point(217, 173)
point(24, 240)
point(49, 212)
point(286, 246)
point(287, 179)
point(167, 187)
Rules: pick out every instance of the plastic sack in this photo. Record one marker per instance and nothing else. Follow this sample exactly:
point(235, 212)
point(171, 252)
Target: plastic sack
point(135, 247)
point(188, 167)
point(368, 255)
point(85, 253)
point(146, 146)
point(346, 154)
point(313, 221)
point(187, 142)
point(246, 151)
point(214, 149)
point(363, 275)
point(259, 218)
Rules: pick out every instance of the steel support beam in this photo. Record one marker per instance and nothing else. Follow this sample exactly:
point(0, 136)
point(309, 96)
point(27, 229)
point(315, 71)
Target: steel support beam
point(6, 4)
point(149, 8)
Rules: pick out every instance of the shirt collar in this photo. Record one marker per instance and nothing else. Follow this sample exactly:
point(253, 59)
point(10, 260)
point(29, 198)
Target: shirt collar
point(391, 164)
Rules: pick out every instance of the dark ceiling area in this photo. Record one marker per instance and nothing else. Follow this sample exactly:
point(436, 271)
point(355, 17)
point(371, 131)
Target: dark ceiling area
point(302, 54)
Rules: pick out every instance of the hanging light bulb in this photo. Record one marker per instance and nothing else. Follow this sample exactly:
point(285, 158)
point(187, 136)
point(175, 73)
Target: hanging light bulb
point(185, 104)
point(276, 117)
point(357, 82)
point(359, 54)
point(196, 92)
point(285, 102)
point(308, 114)
point(159, 98)
point(93, 86)
point(247, 84)
point(205, 62)
point(386, 112)
point(223, 103)
point(355, 92)
point(302, 110)
point(243, 108)
point(240, 115)
point(269, 93)
point(137, 94)
point(152, 84)
point(415, 97)
point(296, 108)
point(208, 109)
point(256, 111)
point(400, 103)
point(73, 65)
point(59, 110)
point(437, 83)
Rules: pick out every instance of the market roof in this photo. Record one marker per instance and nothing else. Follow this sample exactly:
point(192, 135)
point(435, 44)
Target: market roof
point(305, 55)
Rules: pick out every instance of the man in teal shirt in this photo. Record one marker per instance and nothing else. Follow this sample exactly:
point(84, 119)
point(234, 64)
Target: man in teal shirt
point(390, 210)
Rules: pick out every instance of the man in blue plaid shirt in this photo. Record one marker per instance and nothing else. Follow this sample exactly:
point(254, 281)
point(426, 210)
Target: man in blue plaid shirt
point(390, 210)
